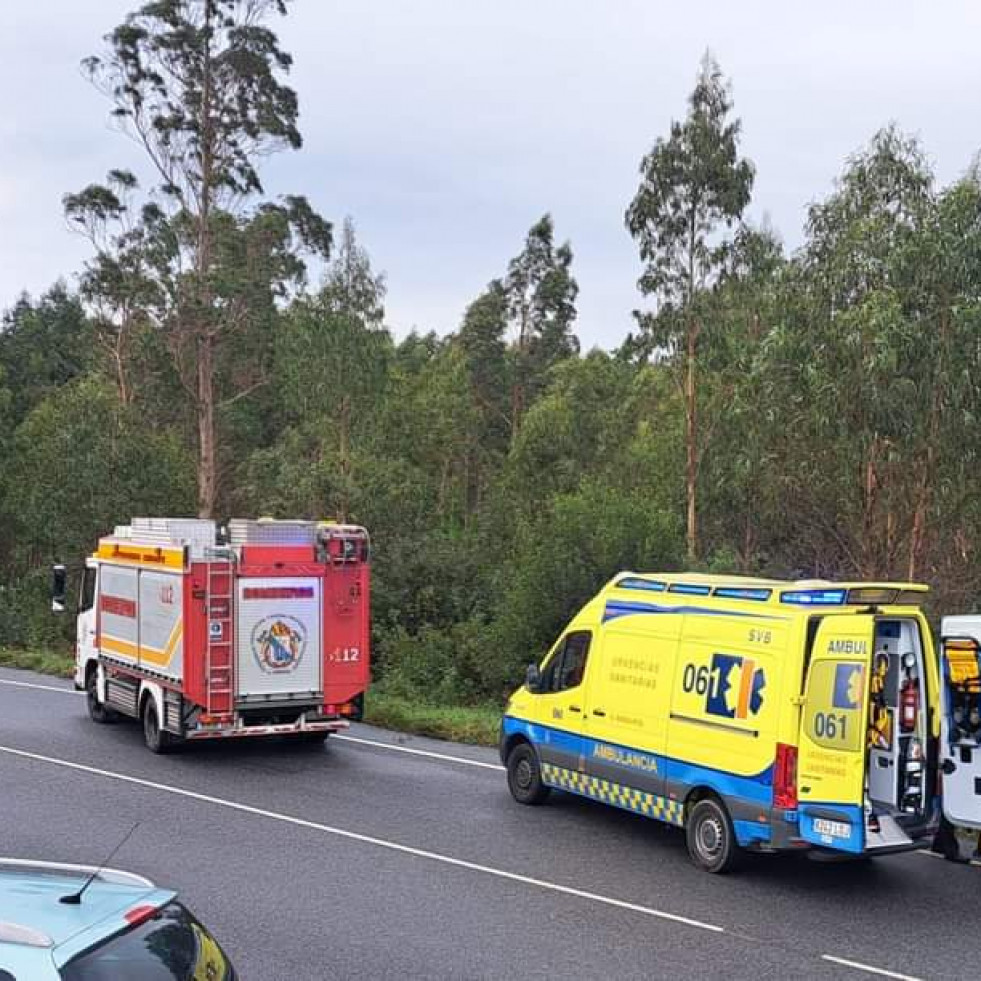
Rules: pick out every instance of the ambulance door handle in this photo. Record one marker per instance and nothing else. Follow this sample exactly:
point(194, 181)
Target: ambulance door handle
point(574, 708)
point(599, 712)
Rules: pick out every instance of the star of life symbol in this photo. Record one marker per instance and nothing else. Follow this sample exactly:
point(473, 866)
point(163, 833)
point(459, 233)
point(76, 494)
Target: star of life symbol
point(278, 643)
point(741, 688)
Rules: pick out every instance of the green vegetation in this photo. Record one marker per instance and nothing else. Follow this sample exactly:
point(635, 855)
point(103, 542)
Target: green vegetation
point(55, 663)
point(466, 724)
point(811, 414)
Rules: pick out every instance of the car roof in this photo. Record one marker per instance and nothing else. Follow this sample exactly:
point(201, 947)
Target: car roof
point(32, 918)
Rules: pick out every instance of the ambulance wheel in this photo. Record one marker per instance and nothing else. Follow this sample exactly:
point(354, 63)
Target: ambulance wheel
point(711, 840)
point(157, 740)
point(525, 776)
point(97, 708)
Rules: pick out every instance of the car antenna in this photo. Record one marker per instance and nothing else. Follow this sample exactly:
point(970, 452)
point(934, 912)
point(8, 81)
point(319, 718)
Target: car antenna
point(75, 898)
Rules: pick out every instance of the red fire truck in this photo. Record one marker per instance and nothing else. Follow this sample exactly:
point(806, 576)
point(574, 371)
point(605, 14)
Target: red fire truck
point(200, 632)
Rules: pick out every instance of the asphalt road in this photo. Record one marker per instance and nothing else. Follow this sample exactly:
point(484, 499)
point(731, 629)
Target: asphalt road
point(386, 856)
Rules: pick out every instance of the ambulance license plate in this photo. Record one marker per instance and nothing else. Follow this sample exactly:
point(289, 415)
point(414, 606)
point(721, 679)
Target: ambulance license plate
point(833, 829)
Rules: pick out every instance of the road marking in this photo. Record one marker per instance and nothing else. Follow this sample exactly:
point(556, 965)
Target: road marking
point(350, 739)
point(419, 752)
point(882, 972)
point(369, 840)
point(28, 684)
point(932, 854)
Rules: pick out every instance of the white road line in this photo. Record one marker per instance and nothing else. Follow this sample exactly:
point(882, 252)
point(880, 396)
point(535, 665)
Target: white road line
point(419, 752)
point(350, 739)
point(368, 840)
point(858, 966)
point(28, 684)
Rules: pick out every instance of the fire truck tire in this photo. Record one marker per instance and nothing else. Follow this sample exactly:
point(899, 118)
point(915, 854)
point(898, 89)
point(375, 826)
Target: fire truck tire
point(157, 740)
point(97, 708)
point(710, 836)
point(525, 776)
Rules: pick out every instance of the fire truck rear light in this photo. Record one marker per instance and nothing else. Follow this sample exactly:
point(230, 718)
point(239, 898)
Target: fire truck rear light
point(347, 709)
point(785, 777)
point(139, 914)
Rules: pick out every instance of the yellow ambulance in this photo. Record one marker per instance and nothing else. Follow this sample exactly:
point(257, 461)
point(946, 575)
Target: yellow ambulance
point(755, 714)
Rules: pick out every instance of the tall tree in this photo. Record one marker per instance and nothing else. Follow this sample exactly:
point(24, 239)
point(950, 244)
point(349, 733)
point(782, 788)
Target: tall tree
point(198, 83)
point(541, 301)
point(693, 186)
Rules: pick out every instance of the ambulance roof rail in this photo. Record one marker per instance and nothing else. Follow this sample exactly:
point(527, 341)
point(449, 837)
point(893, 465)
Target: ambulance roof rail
point(803, 593)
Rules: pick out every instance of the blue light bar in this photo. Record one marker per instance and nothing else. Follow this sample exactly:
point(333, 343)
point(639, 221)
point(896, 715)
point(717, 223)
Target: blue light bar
point(743, 593)
point(682, 587)
point(629, 582)
point(814, 597)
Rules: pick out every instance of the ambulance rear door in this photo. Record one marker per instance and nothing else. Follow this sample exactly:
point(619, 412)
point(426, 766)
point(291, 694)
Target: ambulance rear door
point(960, 719)
point(831, 752)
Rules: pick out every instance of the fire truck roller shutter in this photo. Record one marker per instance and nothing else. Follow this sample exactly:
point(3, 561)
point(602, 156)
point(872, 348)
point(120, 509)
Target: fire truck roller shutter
point(118, 623)
point(161, 624)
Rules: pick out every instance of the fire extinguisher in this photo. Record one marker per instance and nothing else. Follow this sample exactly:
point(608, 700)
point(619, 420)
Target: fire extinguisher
point(909, 703)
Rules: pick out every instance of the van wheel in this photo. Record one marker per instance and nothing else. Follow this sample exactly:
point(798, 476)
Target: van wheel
point(157, 740)
point(525, 776)
point(711, 840)
point(97, 709)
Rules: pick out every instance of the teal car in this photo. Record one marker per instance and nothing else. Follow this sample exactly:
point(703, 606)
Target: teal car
point(78, 923)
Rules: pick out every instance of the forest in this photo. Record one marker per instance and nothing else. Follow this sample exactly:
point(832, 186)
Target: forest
point(811, 413)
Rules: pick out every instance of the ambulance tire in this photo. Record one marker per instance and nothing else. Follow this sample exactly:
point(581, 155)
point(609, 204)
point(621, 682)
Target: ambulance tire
point(98, 712)
point(157, 740)
point(710, 837)
point(525, 776)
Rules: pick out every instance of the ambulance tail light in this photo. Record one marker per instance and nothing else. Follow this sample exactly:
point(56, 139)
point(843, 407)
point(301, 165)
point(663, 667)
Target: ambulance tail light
point(785, 777)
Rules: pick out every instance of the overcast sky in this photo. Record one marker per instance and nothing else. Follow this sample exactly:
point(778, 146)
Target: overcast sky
point(445, 128)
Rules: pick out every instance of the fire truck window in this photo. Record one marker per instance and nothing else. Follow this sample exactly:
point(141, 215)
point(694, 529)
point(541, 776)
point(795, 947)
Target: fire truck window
point(566, 666)
point(87, 597)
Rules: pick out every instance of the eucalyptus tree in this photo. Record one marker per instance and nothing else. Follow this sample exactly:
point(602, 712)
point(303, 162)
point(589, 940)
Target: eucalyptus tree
point(199, 86)
point(693, 186)
point(541, 302)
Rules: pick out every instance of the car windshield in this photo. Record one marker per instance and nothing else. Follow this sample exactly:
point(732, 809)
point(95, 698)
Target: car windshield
point(170, 946)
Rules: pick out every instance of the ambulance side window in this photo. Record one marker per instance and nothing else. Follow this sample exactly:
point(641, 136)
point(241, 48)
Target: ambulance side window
point(567, 665)
point(87, 596)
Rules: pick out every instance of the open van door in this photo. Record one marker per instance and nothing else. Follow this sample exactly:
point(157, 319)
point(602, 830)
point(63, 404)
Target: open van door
point(831, 757)
point(960, 720)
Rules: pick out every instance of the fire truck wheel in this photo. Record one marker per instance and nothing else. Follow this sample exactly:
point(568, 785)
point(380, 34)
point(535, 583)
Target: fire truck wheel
point(525, 776)
point(157, 741)
point(97, 709)
point(710, 837)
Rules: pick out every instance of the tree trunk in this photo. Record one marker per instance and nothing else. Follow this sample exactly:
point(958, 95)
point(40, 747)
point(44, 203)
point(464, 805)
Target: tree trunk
point(205, 332)
point(691, 434)
point(206, 426)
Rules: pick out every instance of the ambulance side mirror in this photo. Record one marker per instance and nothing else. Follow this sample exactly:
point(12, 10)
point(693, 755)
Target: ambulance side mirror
point(59, 588)
point(533, 678)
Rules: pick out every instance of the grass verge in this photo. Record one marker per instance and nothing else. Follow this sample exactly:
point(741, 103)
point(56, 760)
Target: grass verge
point(45, 662)
point(463, 724)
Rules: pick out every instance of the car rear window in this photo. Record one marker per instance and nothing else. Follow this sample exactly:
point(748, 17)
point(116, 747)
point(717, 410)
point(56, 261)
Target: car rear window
point(170, 946)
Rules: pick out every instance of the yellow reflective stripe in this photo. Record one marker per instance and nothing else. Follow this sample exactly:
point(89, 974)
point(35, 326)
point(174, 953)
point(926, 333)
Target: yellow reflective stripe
point(617, 794)
point(123, 647)
point(151, 654)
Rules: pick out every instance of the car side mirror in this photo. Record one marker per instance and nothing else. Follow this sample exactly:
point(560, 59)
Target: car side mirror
point(533, 678)
point(59, 588)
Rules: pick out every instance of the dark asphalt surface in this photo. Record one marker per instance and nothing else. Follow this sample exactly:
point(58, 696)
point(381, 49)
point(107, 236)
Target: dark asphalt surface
point(296, 902)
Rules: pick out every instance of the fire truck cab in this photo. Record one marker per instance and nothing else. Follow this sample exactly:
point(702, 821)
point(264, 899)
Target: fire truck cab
point(261, 628)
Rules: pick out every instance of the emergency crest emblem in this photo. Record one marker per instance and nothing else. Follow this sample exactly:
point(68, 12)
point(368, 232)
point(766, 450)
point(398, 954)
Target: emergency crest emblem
point(278, 643)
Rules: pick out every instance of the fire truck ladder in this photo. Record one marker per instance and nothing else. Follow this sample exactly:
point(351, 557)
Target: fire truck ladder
point(219, 660)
